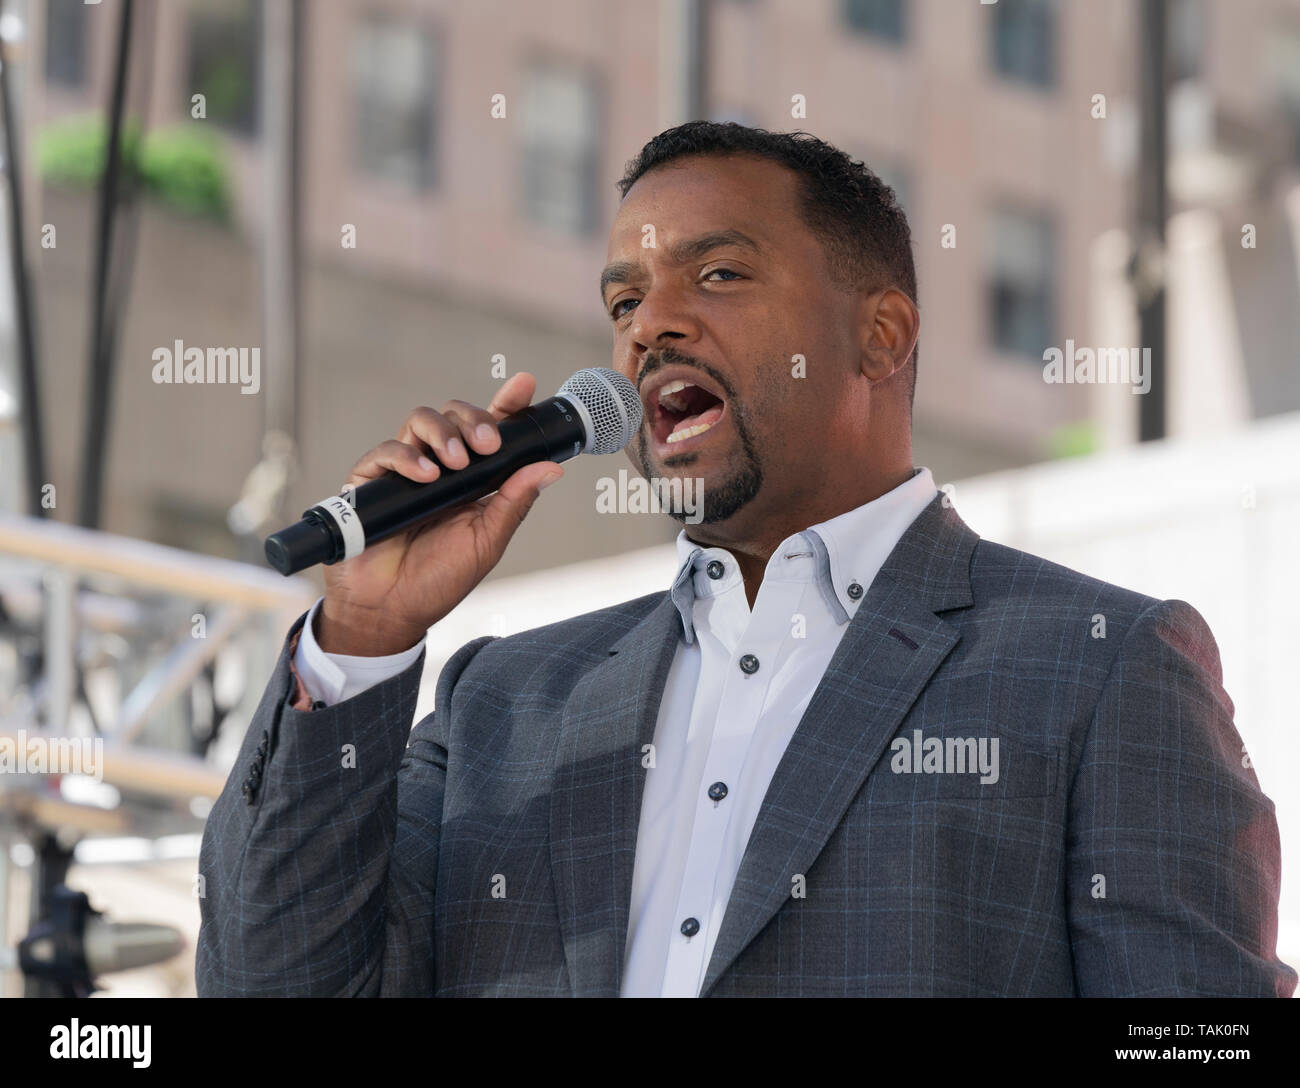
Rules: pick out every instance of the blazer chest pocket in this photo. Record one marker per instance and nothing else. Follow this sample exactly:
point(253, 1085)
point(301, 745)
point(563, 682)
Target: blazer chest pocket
point(919, 767)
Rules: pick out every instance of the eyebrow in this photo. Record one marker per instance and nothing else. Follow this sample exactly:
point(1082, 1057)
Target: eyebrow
point(680, 252)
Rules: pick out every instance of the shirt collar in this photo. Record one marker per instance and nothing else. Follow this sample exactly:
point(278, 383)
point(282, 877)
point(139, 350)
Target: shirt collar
point(849, 550)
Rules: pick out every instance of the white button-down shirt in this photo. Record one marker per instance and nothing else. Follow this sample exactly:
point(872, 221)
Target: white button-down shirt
point(720, 724)
point(736, 690)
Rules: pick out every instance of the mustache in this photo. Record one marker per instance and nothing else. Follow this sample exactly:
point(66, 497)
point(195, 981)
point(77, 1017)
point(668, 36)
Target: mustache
point(665, 357)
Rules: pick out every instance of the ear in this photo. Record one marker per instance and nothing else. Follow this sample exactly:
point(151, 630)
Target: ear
point(890, 326)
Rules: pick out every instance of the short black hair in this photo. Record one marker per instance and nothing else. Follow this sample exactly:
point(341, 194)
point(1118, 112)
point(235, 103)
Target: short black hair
point(855, 215)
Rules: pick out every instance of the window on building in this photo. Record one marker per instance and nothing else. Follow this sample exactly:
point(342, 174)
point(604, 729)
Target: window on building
point(394, 67)
point(1186, 25)
point(65, 42)
point(1024, 40)
point(1283, 56)
point(560, 125)
point(225, 61)
point(880, 18)
point(1022, 284)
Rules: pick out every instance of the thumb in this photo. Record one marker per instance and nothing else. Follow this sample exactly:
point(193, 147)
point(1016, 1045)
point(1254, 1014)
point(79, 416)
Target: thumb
point(506, 510)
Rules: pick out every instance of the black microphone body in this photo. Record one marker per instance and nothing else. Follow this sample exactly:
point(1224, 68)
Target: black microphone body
point(340, 527)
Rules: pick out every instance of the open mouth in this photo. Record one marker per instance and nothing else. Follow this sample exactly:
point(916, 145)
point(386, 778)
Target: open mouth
point(683, 410)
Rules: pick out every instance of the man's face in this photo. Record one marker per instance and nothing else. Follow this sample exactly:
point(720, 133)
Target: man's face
point(734, 298)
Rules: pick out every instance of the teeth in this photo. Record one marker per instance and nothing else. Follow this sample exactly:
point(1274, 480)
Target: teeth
point(666, 393)
point(689, 432)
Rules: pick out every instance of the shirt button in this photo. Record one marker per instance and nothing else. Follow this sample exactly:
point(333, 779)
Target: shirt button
point(715, 569)
point(749, 664)
point(717, 791)
point(690, 927)
point(855, 591)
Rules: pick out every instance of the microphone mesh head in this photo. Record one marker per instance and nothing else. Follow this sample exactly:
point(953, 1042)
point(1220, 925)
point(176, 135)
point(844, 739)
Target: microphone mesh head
point(609, 404)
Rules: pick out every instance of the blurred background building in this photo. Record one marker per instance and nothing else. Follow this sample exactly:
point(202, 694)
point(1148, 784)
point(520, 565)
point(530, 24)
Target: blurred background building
point(479, 236)
point(436, 237)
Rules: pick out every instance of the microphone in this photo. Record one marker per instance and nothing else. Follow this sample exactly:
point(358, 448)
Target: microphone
point(120, 946)
point(596, 411)
point(74, 944)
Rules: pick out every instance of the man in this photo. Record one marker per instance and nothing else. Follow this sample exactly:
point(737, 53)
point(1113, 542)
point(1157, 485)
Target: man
point(855, 750)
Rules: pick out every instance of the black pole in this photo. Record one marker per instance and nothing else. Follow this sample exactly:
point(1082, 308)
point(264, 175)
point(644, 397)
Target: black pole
point(29, 393)
point(100, 385)
point(1152, 213)
point(49, 870)
point(298, 32)
point(127, 211)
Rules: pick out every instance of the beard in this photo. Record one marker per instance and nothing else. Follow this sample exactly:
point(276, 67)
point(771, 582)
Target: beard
point(721, 498)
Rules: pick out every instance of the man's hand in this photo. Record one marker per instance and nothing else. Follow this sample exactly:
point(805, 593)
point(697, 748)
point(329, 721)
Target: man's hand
point(385, 599)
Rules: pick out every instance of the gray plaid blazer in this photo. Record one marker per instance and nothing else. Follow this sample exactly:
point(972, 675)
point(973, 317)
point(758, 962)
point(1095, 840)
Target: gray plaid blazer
point(1125, 849)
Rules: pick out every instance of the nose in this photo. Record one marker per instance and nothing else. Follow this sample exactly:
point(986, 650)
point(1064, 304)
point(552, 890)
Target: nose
point(662, 317)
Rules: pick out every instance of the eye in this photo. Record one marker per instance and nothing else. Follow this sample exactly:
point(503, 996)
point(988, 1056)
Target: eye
point(615, 314)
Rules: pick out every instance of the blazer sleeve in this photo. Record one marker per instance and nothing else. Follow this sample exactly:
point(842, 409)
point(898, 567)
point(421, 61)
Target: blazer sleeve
point(1172, 853)
point(319, 881)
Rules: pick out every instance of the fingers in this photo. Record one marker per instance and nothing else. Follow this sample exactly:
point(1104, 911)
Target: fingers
point(437, 432)
point(478, 425)
point(395, 456)
point(461, 425)
point(514, 395)
point(448, 435)
point(505, 511)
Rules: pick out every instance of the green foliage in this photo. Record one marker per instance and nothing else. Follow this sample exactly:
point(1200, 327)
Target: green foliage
point(71, 152)
point(1074, 440)
point(180, 166)
point(225, 86)
point(186, 168)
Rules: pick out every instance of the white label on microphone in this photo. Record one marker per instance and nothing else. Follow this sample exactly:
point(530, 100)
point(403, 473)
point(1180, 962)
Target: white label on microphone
point(345, 517)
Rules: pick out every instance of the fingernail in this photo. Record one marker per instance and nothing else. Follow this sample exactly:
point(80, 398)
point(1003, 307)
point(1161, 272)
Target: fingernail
point(454, 448)
point(484, 431)
point(549, 479)
point(426, 464)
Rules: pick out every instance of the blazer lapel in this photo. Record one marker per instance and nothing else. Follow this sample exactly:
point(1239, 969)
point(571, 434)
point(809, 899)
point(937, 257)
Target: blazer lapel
point(872, 680)
point(596, 797)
